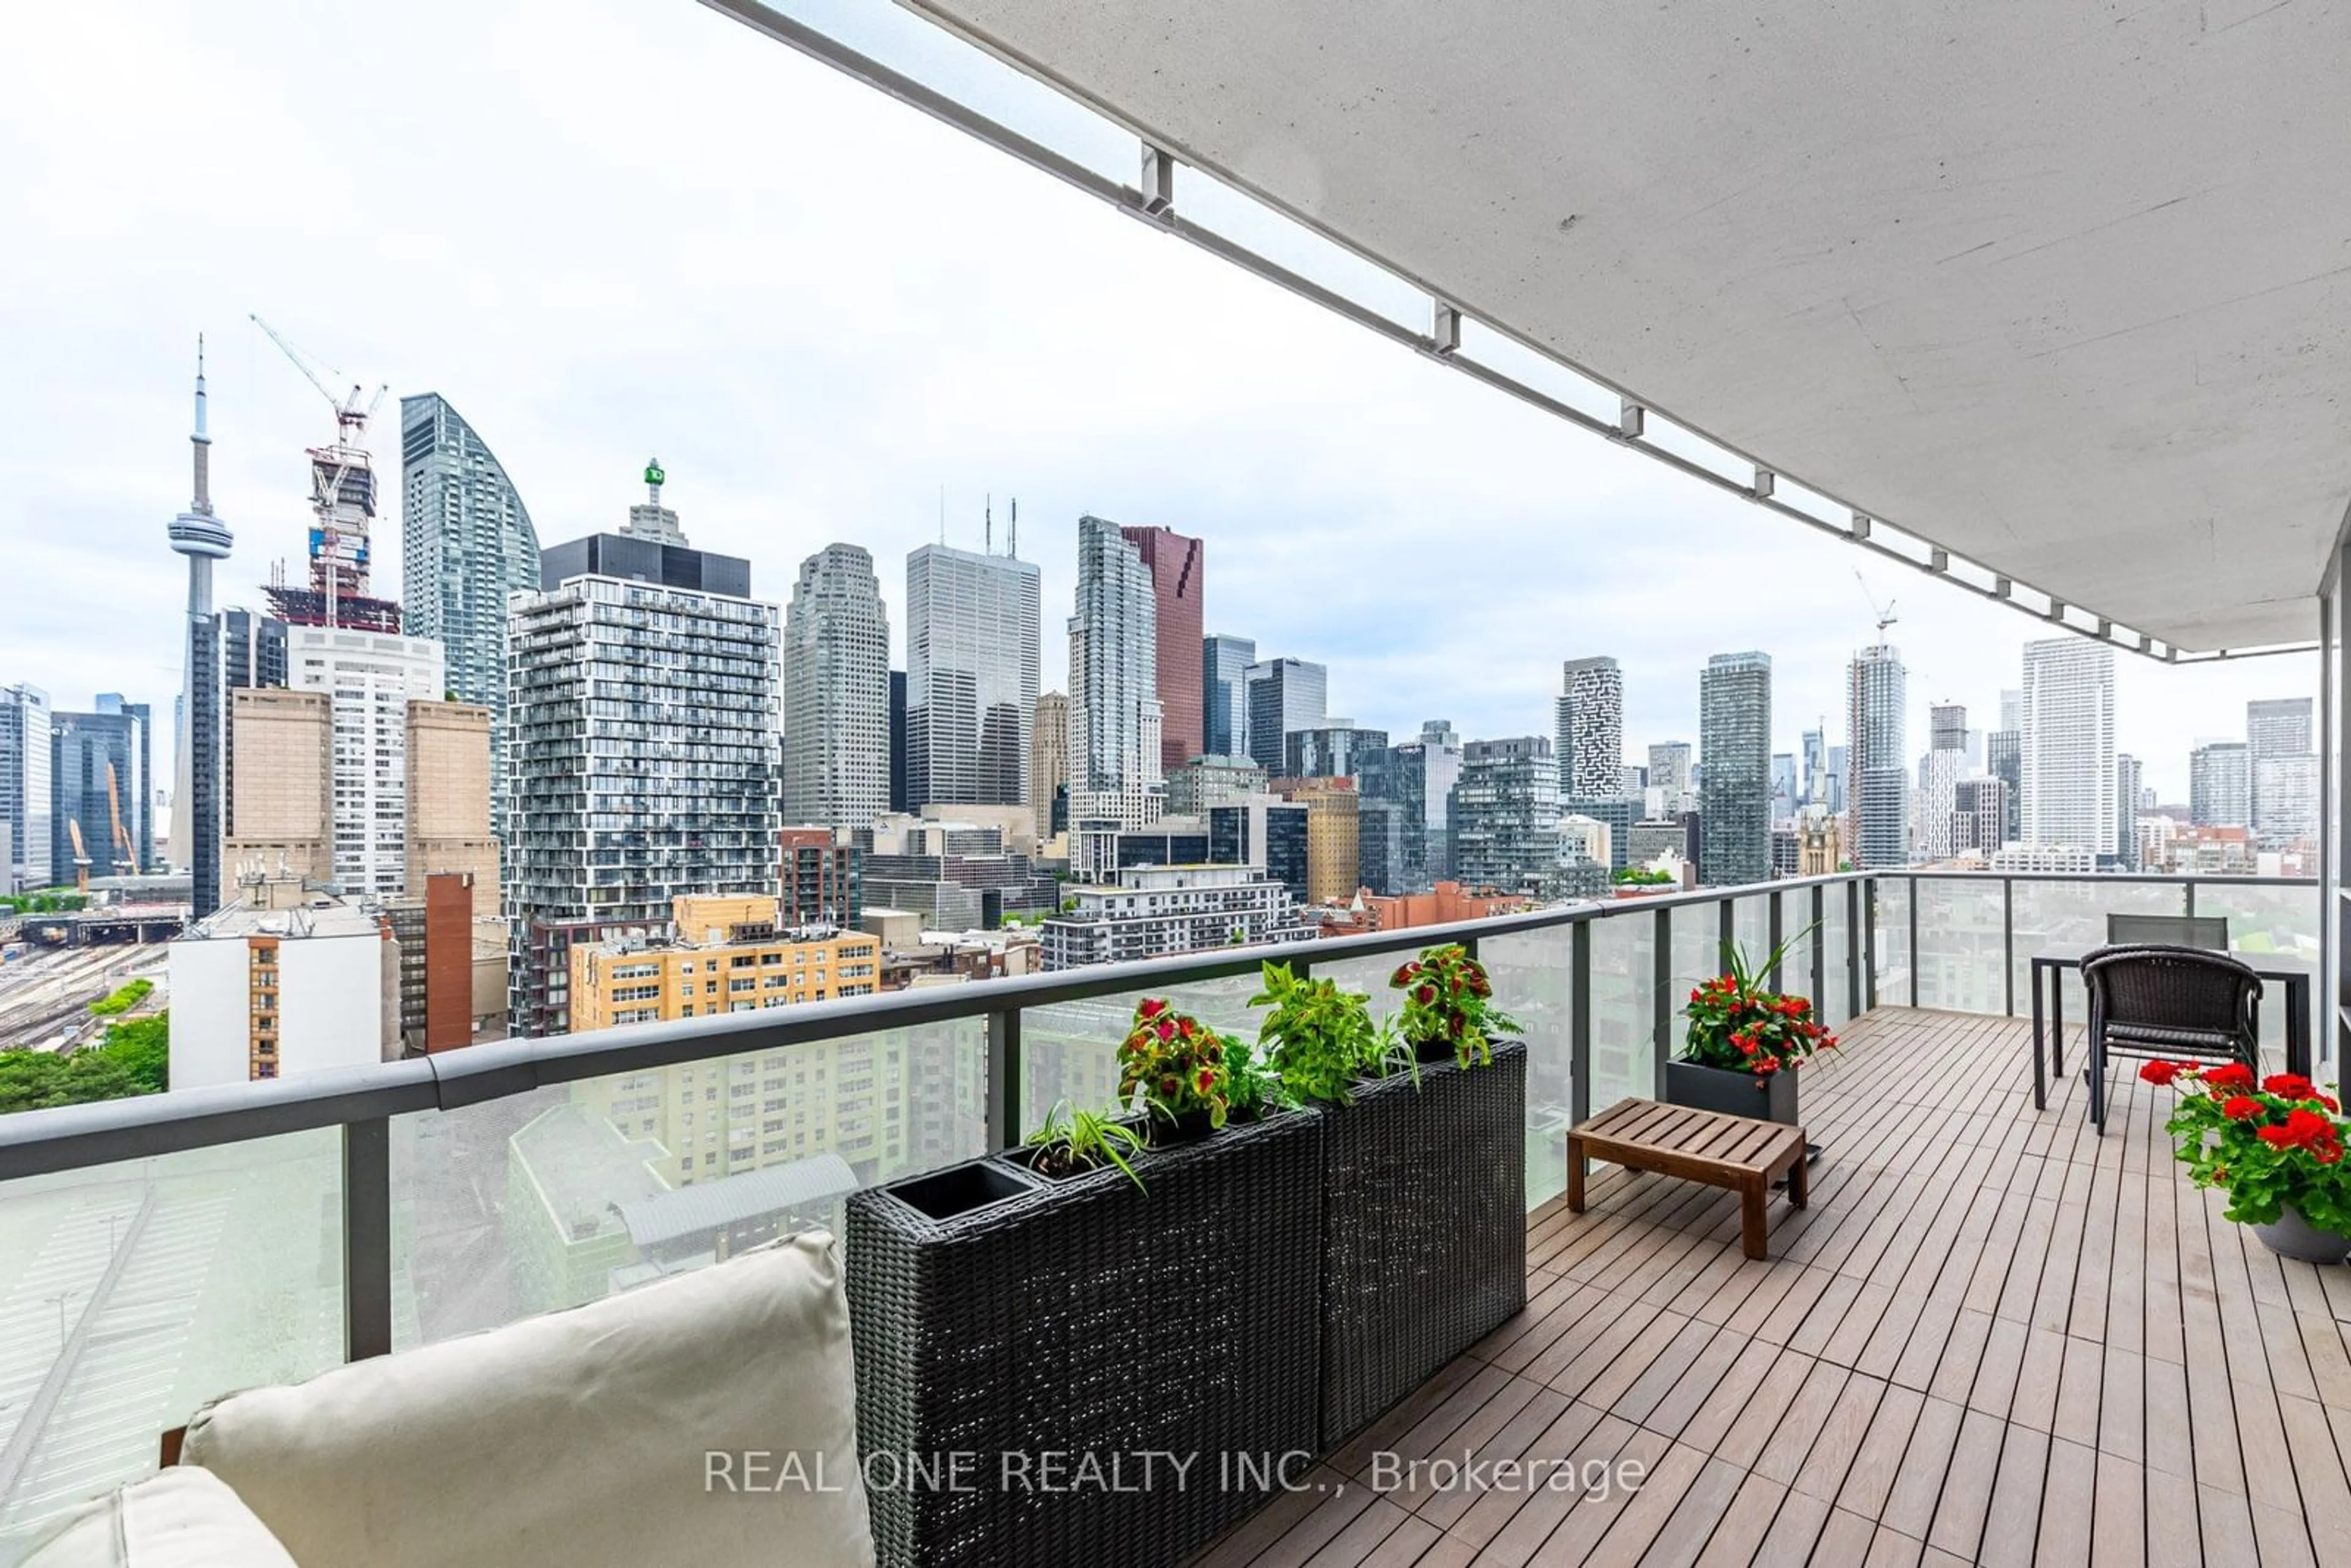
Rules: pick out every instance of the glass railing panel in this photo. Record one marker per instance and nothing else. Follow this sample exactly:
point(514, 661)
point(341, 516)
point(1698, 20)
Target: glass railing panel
point(1890, 929)
point(1963, 959)
point(2071, 914)
point(131, 1293)
point(1750, 926)
point(2266, 919)
point(1795, 929)
point(568, 1194)
point(1697, 955)
point(1837, 963)
point(1623, 985)
point(1534, 981)
point(1369, 976)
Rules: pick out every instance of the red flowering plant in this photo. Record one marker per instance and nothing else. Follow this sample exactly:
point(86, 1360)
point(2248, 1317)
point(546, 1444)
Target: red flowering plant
point(1737, 1025)
point(1175, 1062)
point(1449, 1000)
point(2268, 1144)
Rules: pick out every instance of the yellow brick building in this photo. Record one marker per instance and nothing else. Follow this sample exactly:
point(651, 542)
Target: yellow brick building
point(715, 1119)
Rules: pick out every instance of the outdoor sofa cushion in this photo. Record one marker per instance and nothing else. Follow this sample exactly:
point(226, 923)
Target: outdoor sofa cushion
point(620, 1433)
point(179, 1517)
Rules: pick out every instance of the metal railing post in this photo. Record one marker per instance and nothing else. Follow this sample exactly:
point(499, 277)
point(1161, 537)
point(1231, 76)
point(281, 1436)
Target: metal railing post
point(1869, 941)
point(367, 1238)
point(1004, 1078)
point(1579, 1024)
point(1774, 936)
point(2008, 945)
point(1820, 944)
point(1661, 970)
point(1855, 931)
point(2188, 886)
point(1914, 941)
point(1726, 930)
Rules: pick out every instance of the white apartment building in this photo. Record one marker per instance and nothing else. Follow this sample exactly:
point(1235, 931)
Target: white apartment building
point(2064, 857)
point(283, 982)
point(369, 678)
point(2067, 798)
point(1157, 911)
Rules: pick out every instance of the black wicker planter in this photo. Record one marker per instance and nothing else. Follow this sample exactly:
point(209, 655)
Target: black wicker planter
point(1424, 1230)
point(1082, 1319)
point(1703, 1088)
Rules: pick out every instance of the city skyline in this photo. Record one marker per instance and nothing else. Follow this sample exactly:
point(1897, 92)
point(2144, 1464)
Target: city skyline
point(926, 394)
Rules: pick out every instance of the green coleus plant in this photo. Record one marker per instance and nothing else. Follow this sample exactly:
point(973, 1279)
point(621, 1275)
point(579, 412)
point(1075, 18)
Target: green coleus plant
point(1319, 1039)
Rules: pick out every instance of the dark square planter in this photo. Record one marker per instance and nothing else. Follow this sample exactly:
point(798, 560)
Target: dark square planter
point(1424, 1230)
point(1701, 1088)
point(1081, 1318)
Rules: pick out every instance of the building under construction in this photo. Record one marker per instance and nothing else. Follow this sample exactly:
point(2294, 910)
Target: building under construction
point(342, 519)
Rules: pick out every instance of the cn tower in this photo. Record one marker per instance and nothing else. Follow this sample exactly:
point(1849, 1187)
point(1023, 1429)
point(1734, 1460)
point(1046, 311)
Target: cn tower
point(203, 538)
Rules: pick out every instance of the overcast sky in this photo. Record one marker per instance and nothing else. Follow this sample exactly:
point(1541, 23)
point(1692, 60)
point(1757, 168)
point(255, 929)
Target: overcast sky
point(611, 228)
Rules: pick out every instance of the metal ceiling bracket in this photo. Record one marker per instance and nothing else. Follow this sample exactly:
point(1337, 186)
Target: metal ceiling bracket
point(1860, 526)
point(1443, 328)
point(1938, 559)
point(1632, 419)
point(1764, 480)
point(1158, 182)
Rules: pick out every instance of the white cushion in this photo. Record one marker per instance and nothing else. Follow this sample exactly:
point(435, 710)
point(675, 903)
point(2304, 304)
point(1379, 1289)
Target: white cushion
point(581, 1439)
point(179, 1518)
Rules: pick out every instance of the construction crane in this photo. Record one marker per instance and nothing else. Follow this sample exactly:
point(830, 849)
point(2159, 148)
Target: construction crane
point(349, 416)
point(126, 855)
point(1884, 613)
point(81, 858)
point(342, 483)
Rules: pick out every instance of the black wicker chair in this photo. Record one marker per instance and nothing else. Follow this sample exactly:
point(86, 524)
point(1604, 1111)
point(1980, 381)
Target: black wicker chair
point(2174, 1003)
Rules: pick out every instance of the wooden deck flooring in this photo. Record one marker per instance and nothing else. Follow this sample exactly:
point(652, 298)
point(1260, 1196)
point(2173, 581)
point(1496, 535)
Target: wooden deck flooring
point(1992, 1338)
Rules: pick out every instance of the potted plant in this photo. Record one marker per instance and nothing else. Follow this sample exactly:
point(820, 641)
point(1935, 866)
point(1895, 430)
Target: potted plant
point(1176, 1063)
point(1424, 1218)
point(1072, 1143)
point(1448, 1006)
point(1253, 1088)
point(2275, 1148)
point(1745, 1044)
point(1320, 1039)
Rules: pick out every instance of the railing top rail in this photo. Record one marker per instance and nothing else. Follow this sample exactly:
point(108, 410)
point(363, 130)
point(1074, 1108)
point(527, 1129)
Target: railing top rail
point(2099, 879)
point(74, 1136)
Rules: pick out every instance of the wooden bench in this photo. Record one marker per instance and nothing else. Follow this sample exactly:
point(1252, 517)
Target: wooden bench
point(1740, 1153)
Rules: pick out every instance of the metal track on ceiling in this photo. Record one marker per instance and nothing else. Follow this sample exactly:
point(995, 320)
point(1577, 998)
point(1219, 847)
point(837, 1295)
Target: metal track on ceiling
point(1152, 200)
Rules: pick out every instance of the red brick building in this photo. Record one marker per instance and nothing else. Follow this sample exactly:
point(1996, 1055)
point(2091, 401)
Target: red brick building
point(1176, 563)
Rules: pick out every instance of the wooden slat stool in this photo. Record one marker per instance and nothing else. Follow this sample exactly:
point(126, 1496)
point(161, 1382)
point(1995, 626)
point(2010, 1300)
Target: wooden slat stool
point(1735, 1152)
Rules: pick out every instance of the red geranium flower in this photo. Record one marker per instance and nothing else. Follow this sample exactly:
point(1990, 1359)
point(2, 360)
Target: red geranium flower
point(2289, 1086)
point(2242, 1108)
point(2230, 1075)
point(2159, 1072)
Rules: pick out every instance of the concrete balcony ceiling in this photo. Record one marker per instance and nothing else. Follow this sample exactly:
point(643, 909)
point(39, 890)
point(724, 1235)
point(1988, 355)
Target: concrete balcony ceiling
point(2066, 289)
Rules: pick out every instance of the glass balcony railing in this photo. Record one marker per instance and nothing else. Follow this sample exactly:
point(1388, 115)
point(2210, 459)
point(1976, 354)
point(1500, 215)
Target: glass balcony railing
point(156, 1252)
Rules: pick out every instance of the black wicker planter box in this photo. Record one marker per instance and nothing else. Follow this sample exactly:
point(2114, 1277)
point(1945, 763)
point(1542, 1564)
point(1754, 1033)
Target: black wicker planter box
point(1076, 1319)
point(1424, 1230)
